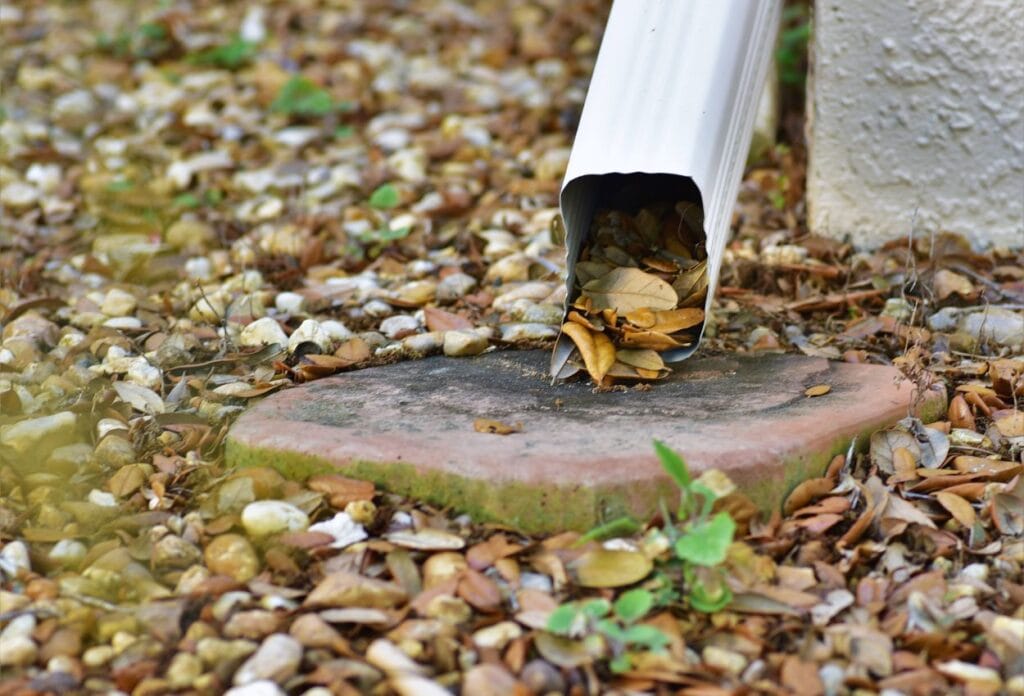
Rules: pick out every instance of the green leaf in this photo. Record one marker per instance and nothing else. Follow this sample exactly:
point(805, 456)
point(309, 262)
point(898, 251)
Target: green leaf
point(673, 464)
point(621, 527)
point(633, 605)
point(611, 630)
point(152, 30)
point(187, 200)
point(620, 663)
point(649, 637)
point(385, 197)
point(709, 600)
point(706, 544)
point(119, 185)
point(561, 620)
point(344, 131)
point(229, 56)
point(300, 96)
point(596, 608)
point(383, 236)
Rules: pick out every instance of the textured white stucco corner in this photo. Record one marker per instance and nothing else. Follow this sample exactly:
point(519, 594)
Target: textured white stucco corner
point(917, 105)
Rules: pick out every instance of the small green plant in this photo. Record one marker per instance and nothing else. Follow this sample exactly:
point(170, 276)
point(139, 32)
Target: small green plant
point(230, 56)
point(302, 97)
point(120, 185)
point(148, 41)
point(700, 540)
point(385, 197)
point(379, 239)
point(189, 200)
point(616, 623)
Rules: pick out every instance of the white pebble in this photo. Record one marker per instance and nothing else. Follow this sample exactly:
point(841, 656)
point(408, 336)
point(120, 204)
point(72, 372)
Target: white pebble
point(516, 333)
point(18, 194)
point(266, 517)
point(67, 552)
point(377, 308)
point(102, 498)
point(123, 323)
point(141, 372)
point(262, 687)
point(459, 344)
point(289, 302)
point(199, 268)
point(309, 331)
point(118, 303)
point(17, 649)
point(455, 286)
point(45, 176)
point(424, 343)
point(263, 332)
point(399, 326)
point(276, 660)
point(336, 330)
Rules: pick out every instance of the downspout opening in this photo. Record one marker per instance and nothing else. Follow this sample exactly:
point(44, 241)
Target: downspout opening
point(627, 192)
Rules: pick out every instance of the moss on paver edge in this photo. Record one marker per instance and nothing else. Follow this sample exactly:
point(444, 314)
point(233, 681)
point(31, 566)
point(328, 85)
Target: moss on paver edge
point(542, 507)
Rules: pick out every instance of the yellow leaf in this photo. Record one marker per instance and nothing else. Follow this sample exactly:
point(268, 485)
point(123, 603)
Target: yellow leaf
point(628, 289)
point(596, 349)
point(650, 374)
point(644, 359)
point(605, 357)
point(676, 320)
point(642, 318)
point(959, 508)
point(486, 425)
point(583, 321)
point(649, 339)
point(817, 390)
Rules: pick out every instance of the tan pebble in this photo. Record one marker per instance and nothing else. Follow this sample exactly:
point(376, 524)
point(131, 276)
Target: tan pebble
point(232, 555)
point(97, 656)
point(254, 625)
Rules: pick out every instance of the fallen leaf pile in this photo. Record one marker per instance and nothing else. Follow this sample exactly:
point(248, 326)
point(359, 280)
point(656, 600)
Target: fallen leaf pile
point(201, 204)
point(643, 282)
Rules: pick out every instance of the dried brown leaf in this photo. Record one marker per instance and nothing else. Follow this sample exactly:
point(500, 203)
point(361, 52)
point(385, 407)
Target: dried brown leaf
point(628, 289)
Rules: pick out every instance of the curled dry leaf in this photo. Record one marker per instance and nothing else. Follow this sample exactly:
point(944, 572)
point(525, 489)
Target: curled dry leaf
point(806, 493)
point(817, 390)
point(494, 427)
point(651, 340)
point(427, 539)
point(928, 446)
point(596, 349)
point(564, 652)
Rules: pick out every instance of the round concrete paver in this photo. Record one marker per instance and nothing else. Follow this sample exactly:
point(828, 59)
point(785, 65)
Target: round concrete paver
point(582, 457)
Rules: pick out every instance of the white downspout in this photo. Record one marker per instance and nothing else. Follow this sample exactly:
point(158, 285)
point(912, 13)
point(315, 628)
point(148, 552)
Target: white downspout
point(671, 105)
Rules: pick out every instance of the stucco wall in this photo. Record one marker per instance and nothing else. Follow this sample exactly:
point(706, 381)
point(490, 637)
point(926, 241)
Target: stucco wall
point(917, 105)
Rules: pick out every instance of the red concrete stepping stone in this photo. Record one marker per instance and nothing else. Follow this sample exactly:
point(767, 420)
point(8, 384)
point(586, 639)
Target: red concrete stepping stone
point(582, 457)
